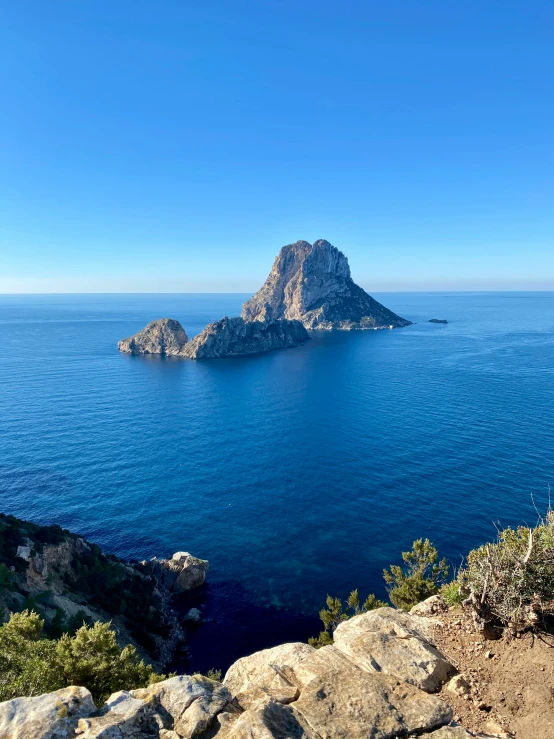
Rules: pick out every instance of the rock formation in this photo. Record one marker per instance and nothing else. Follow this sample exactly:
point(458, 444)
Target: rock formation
point(51, 564)
point(165, 336)
point(233, 337)
point(352, 689)
point(312, 283)
point(181, 573)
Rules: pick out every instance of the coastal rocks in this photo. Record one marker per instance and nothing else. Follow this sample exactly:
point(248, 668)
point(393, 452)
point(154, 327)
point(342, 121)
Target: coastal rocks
point(181, 707)
point(192, 702)
point(387, 645)
point(45, 716)
point(232, 337)
point(312, 283)
point(354, 705)
point(266, 674)
point(181, 573)
point(121, 716)
point(164, 336)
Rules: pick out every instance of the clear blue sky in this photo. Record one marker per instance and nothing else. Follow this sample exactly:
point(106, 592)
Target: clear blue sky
point(176, 145)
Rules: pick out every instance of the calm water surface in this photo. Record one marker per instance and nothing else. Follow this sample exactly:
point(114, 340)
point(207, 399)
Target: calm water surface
point(296, 473)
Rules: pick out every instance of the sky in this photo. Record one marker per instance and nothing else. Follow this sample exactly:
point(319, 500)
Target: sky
point(175, 146)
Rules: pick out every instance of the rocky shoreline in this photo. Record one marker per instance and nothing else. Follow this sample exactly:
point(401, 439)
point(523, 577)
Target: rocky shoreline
point(379, 679)
point(67, 580)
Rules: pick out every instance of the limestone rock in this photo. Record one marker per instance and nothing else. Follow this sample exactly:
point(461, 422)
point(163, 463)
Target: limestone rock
point(181, 573)
point(50, 716)
point(312, 283)
point(121, 716)
point(458, 685)
point(430, 607)
point(164, 336)
point(352, 704)
point(192, 702)
point(269, 670)
point(272, 721)
point(379, 641)
point(233, 337)
point(194, 616)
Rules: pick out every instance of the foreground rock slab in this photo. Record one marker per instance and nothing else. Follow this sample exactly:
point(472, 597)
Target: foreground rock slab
point(165, 336)
point(232, 337)
point(312, 283)
point(192, 702)
point(387, 641)
point(50, 716)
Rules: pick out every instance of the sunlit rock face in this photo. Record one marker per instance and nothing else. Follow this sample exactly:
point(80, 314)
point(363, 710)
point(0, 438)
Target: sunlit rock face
point(311, 283)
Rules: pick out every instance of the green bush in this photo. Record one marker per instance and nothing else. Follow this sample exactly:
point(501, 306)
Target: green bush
point(336, 612)
point(31, 664)
point(451, 593)
point(511, 582)
point(421, 577)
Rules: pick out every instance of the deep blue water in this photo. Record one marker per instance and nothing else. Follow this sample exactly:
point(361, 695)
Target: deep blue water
point(296, 473)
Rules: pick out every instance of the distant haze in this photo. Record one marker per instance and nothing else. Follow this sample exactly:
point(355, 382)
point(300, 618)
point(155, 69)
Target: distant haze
point(176, 147)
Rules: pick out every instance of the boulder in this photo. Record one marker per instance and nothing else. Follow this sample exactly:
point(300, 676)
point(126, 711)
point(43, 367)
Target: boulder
point(458, 685)
point(452, 732)
point(390, 642)
point(49, 716)
point(270, 671)
point(271, 721)
point(121, 716)
point(233, 337)
point(181, 573)
point(352, 704)
point(191, 702)
point(312, 283)
point(164, 336)
point(193, 615)
point(430, 607)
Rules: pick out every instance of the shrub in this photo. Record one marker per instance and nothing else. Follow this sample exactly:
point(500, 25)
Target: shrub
point(421, 577)
point(93, 658)
point(451, 593)
point(335, 613)
point(28, 664)
point(31, 664)
point(511, 582)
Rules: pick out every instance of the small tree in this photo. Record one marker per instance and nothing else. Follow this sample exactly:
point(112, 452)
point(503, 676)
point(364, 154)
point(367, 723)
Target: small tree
point(335, 613)
point(93, 658)
point(421, 577)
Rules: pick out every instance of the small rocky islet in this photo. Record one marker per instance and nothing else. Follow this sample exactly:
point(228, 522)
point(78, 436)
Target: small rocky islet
point(309, 287)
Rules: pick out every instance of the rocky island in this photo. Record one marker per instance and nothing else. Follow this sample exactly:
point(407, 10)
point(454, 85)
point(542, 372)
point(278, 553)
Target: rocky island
point(165, 336)
point(311, 283)
point(232, 337)
point(309, 287)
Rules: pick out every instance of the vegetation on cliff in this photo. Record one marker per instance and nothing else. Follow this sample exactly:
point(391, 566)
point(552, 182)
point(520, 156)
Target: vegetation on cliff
point(32, 664)
point(42, 567)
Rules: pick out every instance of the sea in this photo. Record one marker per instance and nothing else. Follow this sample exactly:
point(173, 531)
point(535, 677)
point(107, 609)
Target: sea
point(298, 473)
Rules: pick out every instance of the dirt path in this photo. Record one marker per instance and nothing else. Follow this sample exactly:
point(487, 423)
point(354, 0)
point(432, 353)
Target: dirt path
point(511, 681)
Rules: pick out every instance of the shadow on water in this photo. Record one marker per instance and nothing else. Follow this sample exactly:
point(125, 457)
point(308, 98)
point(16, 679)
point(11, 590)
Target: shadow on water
point(235, 626)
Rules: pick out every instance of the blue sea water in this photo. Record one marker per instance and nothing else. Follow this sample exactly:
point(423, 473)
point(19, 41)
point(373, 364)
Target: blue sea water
point(296, 473)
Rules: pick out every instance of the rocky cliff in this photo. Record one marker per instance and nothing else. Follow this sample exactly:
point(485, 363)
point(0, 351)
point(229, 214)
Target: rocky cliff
point(312, 283)
point(68, 580)
point(379, 679)
point(165, 336)
point(232, 337)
